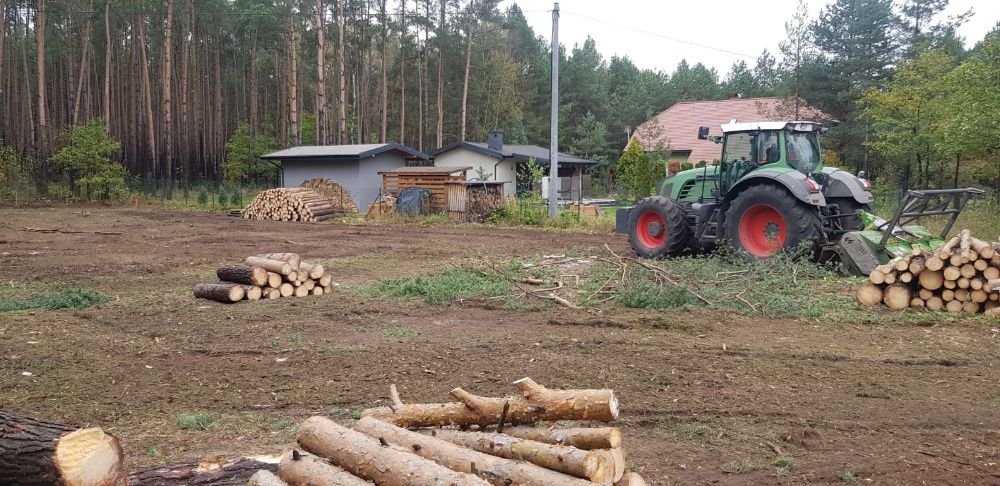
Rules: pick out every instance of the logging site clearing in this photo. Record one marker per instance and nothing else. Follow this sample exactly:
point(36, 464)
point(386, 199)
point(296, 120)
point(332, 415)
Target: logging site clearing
point(726, 371)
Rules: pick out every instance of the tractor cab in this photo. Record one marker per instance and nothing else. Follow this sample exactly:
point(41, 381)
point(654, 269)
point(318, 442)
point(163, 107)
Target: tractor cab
point(747, 147)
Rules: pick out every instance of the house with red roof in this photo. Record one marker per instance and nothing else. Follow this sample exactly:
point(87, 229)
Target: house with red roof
point(675, 130)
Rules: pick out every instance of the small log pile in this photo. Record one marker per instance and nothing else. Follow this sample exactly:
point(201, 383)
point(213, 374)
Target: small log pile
point(267, 276)
point(290, 204)
point(475, 440)
point(337, 196)
point(963, 275)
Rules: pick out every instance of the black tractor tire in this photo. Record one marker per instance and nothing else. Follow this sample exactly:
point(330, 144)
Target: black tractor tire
point(848, 205)
point(658, 227)
point(766, 219)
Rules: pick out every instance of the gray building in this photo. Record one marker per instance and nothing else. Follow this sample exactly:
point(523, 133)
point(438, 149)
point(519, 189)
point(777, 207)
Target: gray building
point(354, 167)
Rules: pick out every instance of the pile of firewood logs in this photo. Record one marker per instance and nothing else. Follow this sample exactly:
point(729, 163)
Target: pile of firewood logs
point(473, 441)
point(963, 275)
point(267, 276)
point(290, 204)
point(336, 195)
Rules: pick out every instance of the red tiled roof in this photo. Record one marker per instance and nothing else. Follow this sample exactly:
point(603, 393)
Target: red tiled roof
point(677, 126)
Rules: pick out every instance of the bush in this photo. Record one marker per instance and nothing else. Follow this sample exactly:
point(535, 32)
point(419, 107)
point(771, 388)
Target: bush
point(223, 197)
point(60, 191)
point(637, 172)
point(203, 197)
point(236, 200)
point(529, 210)
point(84, 158)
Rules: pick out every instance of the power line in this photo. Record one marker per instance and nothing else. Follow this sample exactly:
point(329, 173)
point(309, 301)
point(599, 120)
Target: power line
point(656, 34)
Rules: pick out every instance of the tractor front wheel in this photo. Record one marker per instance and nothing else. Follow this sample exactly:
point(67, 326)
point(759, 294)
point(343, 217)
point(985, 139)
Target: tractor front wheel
point(764, 220)
point(657, 227)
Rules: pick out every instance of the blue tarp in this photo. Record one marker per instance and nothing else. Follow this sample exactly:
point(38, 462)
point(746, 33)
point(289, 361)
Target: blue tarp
point(411, 201)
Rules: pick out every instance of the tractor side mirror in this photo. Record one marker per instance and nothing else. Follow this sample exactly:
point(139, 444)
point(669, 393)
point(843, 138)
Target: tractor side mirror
point(702, 133)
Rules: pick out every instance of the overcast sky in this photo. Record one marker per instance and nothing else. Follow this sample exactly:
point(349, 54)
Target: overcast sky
point(738, 26)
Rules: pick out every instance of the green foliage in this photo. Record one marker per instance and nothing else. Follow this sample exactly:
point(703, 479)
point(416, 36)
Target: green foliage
point(236, 200)
point(637, 172)
point(400, 331)
point(195, 421)
point(60, 191)
point(848, 477)
point(738, 466)
point(223, 198)
point(442, 287)
point(15, 174)
point(75, 298)
point(243, 163)
point(649, 295)
point(84, 159)
point(307, 129)
point(783, 463)
point(203, 197)
point(528, 210)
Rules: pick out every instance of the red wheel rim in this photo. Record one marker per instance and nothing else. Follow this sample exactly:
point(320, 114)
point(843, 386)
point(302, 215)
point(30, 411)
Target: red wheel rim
point(651, 229)
point(762, 231)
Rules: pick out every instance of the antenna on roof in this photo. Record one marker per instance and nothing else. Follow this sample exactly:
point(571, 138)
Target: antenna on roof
point(732, 121)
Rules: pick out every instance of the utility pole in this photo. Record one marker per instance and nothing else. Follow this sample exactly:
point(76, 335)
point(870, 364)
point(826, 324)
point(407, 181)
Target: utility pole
point(554, 122)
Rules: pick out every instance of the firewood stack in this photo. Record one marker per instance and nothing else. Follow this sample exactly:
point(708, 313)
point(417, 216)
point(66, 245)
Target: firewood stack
point(267, 276)
point(290, 204)
point(963, 275)
point(337, 196)
point(473, 441)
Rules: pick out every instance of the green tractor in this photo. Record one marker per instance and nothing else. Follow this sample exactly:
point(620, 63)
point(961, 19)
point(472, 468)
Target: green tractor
point(770, 193)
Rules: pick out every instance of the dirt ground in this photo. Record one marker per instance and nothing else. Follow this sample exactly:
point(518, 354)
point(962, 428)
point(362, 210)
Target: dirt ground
point(899, 404)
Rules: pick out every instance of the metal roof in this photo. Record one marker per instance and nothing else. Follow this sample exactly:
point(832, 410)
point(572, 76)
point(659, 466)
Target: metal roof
point(516, 152)
point(342, 152)
point(798, 126)
point(425, 170)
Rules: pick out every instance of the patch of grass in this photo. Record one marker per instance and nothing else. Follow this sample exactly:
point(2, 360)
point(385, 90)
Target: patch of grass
point(280, 425)
point(195, 421)
point(783, 463)
point(848, 477)
point(356, 413)
point(295, 341)
point(692, 430)
point(153, 451)
point(631, 467)
point(649, 295)
point(75, 298)
point(442, 287)
point(738, 466)
point(400, 331)
point(360, 330)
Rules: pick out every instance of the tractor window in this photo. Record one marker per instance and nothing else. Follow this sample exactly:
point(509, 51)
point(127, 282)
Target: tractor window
point(738, 148)
point(802, 149)
point(768, 150)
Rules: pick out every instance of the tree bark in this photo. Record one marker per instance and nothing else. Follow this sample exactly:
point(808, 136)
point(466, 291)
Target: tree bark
point(496, 470)
point(366, 457)
point(537, 403)
point(265, 478)
point(168, 133)
point(440, 75)
point(596, 466)
point(321, 75)
point(271, 265)
point(148, 96)
point(292, 259)
point(244, 274)
point(468, 66)
point(294, 83)
point(302, 469)
point(385, 83)
point(402, 73)
point(579, 437)
point(214, 471)
point(37, 453)
point(3, 28)
point(226, 293)
point(81, 77)
point(343, 83)
point(185, 127)
point(42, 133)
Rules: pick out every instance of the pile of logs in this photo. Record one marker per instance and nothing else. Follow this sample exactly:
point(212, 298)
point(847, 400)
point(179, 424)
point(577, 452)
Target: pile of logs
point(290, 204)
point(267, 276)
point(963, 275)
point(473, 441)
point(336, 195)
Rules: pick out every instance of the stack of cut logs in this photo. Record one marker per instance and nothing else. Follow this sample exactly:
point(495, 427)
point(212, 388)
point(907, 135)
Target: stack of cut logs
point(434, 443)
point(290, 204)
point(339, 198)
point(963, 275)
point(267, 276)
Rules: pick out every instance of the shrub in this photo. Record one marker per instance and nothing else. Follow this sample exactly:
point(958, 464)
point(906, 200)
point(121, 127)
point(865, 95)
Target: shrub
point(223, 197)
point(84, 158)
point(637, 172)
point(203, 197)
point(60, 191)
point(236, 200)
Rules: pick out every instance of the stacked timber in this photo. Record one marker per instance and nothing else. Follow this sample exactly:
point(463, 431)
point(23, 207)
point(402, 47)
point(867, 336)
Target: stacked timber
point(475, 440)
point(290, 204)
point(962, 275)
point(267, 276)
point(337, 196)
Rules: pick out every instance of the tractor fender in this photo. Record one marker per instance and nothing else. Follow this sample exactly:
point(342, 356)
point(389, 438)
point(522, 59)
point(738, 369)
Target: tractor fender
point(792, 180)
point(841, 183)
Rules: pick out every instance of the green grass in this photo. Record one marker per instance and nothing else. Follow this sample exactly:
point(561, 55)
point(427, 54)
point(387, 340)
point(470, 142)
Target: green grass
point(195, 421)
point(693, 430)
point(444, 286)
point(75, 298)
point(849, 477)
point(783, 463)
point(648, 295)
point(738, 466)
point(400, 331)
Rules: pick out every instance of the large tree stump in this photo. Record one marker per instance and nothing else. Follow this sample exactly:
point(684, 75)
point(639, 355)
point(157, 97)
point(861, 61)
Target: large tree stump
point(537, 403)
point(371, 459)
point(597, 466)
point(210, 471)
point(496, 470)
point(244, 274)
point(37, 453)
point(226, 293)
point(302, 469)
point(580, 437)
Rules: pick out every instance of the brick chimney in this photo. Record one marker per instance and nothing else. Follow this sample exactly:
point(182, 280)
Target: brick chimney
point(495, 140)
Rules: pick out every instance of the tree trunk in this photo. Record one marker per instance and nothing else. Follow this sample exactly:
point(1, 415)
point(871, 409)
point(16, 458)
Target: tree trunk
point(596, 466)
point(538, 403)
point(402, 73)
point(301, 469)
point(271, 265)
point(226, 293)
point(294, 83)
point(496, 470)
point(897, 296)
point(343, 84)
point(292, 259)
point(168, 133)
point(468, 67)
point(440, 76)
point(244, 274)
point(385, 83)
point(321, 75)
point(579, 437)
point(37, 453)
point(185, 126)
point(42, 133)
point(3, 28)
point(869, 294)
point(84, 63)
point(215, 471)
point(107, 66)
point(366, 457)
point(147, 94)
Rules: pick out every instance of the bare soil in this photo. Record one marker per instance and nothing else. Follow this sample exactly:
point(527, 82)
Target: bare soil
point(892, 404)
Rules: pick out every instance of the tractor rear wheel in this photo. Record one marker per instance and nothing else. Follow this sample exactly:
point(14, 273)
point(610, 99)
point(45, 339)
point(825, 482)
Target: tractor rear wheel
point(764, 220)
point(657, 227)
point(850, 206)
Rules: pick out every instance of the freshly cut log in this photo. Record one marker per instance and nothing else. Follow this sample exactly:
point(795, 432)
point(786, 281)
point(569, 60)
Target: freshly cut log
point(317, 291)
point(934, 303)
point(597, 466)
point(366, 457)
point(970, 307)
point(994, 296)
point(536, 403)
point(901, 264)
point(952, 273)
point(993, 284)
point(303, 469)
point(979, 296)
point(267, 478)
point(869, 294)
point(993, 309)
point(953, 306)
point(925, 294)
point(273, 279)
point(956, 261)
point(917, 302)
point(991, 273)
point(313, 270)
point(962, 295)
point(947, 248)
point(273, 293)
point(896, 297)
point(890, 278)
point(931, 280)
point(968, 270)
point(327, 279)
point(631, 479)
point(580, 437)
point(877, 276)
point(495, 470)
point(906, 277)
point(220, 292)
point(981, 265)
point(917, 265)
point(934, 263)
point(211, 471)
point(244, 274)
point(276, 266)
point(252, 292)
point(963, 283)
point(37, 453)
point(301, 291)
point(948, 295)
point(618, 459)
point(286, 290)
point(293, 277)
point(309, 284)
point(950, 284)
